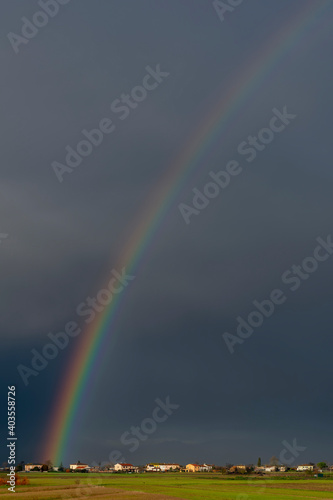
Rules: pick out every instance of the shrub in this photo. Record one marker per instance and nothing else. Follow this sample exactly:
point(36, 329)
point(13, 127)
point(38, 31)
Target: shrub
point(24, 481)
point(18, 480)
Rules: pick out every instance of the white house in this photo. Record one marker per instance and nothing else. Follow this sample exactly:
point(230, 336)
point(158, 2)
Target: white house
point(205, 468)
point(124, 468)
point(29, 467)
point(166, 467)
point(153, 468)
point(79, 466)
point(161, 467)
point(305, 467)
point(271, 468)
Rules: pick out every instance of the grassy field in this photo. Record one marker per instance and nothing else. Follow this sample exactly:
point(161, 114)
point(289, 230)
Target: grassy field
point(167, 486)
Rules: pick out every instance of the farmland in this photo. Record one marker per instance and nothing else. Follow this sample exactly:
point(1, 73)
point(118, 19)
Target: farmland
point(167, 486)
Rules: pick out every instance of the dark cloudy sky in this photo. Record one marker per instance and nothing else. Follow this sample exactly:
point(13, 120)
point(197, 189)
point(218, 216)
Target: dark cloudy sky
point(64, 238)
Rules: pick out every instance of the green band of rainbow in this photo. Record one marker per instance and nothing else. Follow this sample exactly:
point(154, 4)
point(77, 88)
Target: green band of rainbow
point(73, 386)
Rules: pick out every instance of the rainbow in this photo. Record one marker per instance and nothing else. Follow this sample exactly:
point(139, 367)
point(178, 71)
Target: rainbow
point(95, 339)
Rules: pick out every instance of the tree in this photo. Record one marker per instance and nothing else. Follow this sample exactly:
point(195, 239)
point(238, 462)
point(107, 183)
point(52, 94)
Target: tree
point(45, 468)
point(49, 464)
point(322, 465)
point(61, 467)
point(20, 467)
point(259, 462)
point(274, 460)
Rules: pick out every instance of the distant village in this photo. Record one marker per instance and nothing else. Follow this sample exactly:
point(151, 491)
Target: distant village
point(309, 468)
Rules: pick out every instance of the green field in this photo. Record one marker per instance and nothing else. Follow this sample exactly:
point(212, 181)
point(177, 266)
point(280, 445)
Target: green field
point(167, 486)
